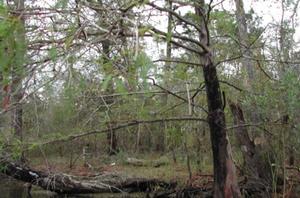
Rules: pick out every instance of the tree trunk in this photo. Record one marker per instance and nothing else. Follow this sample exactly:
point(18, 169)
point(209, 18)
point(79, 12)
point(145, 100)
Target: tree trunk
point(17, 75)
point(247, 59)
point(111, 135)
point(66, 184)
point(256, 168)
point(225, 180)
point(255, 165)
point(17, 110)
point(246, 144)
point(160, 143)
point(112, 140)
point(244, 40)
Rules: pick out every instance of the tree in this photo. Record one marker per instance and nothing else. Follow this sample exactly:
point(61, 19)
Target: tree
point(256, 166)
point(89, 78)
point(225, 180)
point(13, 52)
point(17, 72)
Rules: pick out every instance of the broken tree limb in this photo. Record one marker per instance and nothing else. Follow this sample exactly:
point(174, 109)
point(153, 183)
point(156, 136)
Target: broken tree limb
point(67, 184)
point(256, 167)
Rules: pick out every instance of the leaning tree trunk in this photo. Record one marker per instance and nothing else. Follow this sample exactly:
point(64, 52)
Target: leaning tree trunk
point(225, 180)
point(256, 168)
point(245, 143)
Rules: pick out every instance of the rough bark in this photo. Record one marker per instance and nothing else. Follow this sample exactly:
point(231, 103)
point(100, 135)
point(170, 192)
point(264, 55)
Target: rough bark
point(246, 144)
point(225, 180)
point(256, 168)
point(66, 184)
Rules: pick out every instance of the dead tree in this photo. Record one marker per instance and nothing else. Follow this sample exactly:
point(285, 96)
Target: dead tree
point(66, 184)
point(256, 168)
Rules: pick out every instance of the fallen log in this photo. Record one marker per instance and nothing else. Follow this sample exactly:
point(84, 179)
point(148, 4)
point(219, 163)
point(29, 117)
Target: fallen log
point(67, 184)
point(140, 162)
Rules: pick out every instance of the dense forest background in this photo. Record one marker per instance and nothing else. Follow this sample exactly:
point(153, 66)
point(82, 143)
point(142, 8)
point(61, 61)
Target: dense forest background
point(104, 82)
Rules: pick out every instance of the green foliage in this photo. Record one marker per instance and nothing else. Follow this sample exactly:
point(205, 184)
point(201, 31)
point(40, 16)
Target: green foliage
point(12, 45)
point(191, 16)
point(70, 35)
point(290, 84)
point(61, 3)
point(174, 136)
point(143, 30)
point(143, 64)
point(223, 22)
point(53, 53)
point(77, 100)
point(106, 82)
point(120, 87)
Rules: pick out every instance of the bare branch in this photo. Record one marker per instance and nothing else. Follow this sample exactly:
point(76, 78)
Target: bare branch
point(125, 125)
point(197, 27)
point(231, 85)
point(179, 61)
point(177, 96)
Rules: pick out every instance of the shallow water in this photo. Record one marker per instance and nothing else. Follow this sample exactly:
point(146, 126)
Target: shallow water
point(10, 188)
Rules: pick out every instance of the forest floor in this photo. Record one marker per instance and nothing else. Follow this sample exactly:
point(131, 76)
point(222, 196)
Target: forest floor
point(154, 166)
point(167, 170)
